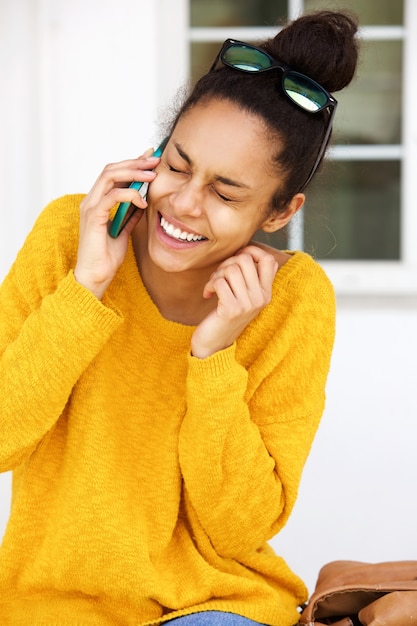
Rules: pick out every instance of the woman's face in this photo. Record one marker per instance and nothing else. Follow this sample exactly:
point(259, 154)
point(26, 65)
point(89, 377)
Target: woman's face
point(212, 189)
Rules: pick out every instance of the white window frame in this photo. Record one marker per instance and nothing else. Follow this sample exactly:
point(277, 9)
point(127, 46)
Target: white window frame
point(389, 277)
point(349, 277)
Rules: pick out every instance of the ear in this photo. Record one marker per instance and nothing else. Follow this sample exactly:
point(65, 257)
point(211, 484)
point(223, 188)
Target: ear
point(276, 221)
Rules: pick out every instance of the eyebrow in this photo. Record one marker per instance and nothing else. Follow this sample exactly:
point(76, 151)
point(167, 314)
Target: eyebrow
point(221, 179)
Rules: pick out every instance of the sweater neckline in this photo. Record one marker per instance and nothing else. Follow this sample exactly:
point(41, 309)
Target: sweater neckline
point(147, 313)
point(145, 308)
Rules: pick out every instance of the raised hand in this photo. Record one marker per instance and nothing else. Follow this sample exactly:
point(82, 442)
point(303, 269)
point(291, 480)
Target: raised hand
point(243, 286)
point(99, 255)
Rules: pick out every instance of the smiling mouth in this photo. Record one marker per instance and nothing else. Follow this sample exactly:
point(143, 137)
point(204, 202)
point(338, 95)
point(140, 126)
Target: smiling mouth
point(177, 233)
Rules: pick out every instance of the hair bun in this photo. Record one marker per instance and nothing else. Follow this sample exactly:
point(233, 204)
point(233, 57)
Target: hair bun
point(322, 45)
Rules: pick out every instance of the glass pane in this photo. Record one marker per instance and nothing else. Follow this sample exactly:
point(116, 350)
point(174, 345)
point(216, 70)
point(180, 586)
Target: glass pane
point(278, 240)
point(237, 13)
point(353, 211)
point(202, 56)
point(380, 12)
point(369, 109)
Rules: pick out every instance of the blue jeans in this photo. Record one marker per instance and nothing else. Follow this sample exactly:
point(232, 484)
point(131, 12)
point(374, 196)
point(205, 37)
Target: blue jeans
point(210, 618)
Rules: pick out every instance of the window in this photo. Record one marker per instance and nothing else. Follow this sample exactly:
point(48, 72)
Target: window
point(358, 220)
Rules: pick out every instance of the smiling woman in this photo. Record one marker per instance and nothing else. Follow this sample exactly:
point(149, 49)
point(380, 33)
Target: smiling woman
point(176, 371)
point(211, 183)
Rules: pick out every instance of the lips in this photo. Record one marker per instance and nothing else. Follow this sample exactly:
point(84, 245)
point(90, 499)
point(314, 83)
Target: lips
point(175, 232)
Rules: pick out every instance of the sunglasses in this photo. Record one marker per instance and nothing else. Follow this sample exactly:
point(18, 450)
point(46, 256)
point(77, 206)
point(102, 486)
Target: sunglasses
point(302, 91)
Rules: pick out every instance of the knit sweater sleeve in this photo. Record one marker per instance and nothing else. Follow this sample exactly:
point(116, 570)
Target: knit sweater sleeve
point(51, 328)
point(249, 427)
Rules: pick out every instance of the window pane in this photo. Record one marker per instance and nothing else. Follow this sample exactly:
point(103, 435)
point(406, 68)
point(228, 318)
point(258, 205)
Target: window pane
point(237, 13)
point(381, 12)
point(202, 56)
point(370, 108)
point(353, 211)
point(278, 240)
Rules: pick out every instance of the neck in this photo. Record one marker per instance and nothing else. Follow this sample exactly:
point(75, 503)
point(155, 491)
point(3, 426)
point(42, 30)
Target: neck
point(178, 295)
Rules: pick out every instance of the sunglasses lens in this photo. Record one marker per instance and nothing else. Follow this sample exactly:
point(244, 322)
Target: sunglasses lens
point(245, 58)
point(303, 92)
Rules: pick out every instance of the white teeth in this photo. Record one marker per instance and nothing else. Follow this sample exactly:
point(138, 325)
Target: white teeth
point(177, 233)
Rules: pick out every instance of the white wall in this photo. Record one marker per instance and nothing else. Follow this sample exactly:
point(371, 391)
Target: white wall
point(357, 498)
point(81, 91)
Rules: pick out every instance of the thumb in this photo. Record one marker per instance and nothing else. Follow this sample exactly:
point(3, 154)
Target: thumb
point(209, 290)
point(132, 222)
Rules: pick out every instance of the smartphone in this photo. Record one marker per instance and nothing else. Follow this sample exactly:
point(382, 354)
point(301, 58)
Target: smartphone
point(125, 210)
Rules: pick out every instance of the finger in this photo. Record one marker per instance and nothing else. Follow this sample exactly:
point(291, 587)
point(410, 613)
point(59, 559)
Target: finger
point(219, 274)
point(124, 173)
point(146, 162)
point(267, 268)
point(226, 298)
point(137, 171)
point(256, 252)
point(148, 153)
point(258, 266)
point(250, 282)
point(141, 162)
point(230, 281)
point(253, 252)
point(107, 192)
point(131, 223)
point(247, 265)
point(246, 285)
point(100, 212)
point(263, 262)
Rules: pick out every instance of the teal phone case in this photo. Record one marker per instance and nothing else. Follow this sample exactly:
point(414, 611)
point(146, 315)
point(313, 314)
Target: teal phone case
point(123, 214)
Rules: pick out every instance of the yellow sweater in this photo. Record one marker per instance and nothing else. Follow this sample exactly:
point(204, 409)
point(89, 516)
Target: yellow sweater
point(147, 482)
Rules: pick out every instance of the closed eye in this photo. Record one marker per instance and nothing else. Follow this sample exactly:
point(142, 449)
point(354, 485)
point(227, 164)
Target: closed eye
point(223, 197)
point(174, 169)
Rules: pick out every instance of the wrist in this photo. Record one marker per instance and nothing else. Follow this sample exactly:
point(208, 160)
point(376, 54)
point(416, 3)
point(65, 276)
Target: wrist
point(96, 288)
point(203, 352)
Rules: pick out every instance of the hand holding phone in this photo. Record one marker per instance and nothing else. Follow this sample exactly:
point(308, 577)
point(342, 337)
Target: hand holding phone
point(125, 210)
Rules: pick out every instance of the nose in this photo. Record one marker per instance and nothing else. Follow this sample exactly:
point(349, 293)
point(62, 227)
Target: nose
point(188, 200)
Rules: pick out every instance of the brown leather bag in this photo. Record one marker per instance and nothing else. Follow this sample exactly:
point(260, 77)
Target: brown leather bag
point(352, 593)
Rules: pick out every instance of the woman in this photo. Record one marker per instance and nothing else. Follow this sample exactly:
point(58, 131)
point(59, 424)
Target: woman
point(161, 388)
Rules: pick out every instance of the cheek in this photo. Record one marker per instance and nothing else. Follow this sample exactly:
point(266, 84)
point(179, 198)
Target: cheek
point(233, 228)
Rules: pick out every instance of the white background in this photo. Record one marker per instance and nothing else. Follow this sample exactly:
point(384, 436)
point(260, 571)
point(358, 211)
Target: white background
point(83, 83)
